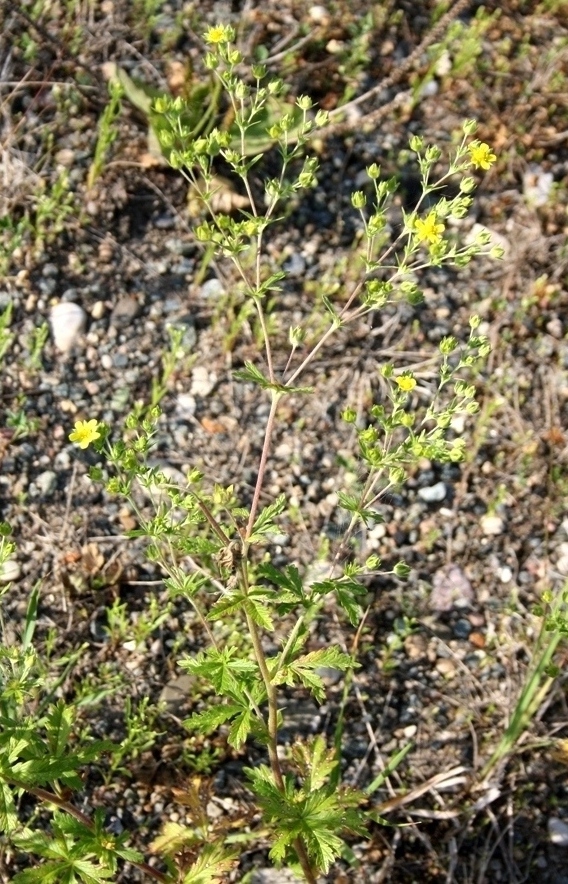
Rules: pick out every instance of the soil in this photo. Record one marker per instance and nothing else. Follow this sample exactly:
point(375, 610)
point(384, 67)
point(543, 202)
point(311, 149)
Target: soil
point(444, 654)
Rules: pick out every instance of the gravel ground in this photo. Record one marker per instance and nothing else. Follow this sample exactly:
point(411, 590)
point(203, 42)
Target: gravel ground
point(443, 654)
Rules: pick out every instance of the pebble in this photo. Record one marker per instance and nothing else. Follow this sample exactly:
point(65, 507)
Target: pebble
point(202, 381)
point(329, 675)
point(9, 570)
point(125, 310)
point(67, 321)
point(492, 525)
point(446, 667)
point(505, 574)
point(433, 493)
point(273, 876)
point(450, 589)
point(45, 483)
point(462, 629)
point(65, 157)
point(98, 310)
point(537, 185)
point(295, 265)
point(562, 560)
point(558, 831)
point(212, 288)
point(185, 406)
point(175, 693)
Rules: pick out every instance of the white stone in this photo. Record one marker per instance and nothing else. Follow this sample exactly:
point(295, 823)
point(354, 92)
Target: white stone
point(433, 494)
point(505, 574)
point(202, 381)
point(492, 525)
point(67, 321)
point(558, 831)
point(9, 570)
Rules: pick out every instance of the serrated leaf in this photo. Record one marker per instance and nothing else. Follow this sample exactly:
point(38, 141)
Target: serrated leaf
point(240, 729)
point(346, 591)
point(315, 761)
point(289, 580)
point(265, 521)
point(8, 815)
point(58, 726)
point(251, 374)
point(227, 605)
point(209, 720)
point(259, 613)
point(214, 861)
point(172, 839)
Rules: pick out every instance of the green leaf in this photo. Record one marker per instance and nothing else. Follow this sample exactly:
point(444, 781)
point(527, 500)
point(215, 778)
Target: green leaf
point(251, 374)
point(316, 762)
point(302, 669)
point(288, 579)
point(58, 726)
point(259, 612)
point(265, 521)
point(346, 591)
point(209, 720)
point(229, 676)
point(214, 861)
point(8, 815)
point(227, 606)
point(240, 729)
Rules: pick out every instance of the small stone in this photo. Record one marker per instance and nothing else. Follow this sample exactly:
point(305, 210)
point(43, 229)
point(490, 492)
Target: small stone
point(98, 310)
point(295, 265)
point(416, 646)
point(202, 381)
point(65, 157)
point(492, 525)
point(67, 322)
point(433, 493)
point(558, 831)
point(409, 731)
point(462, 628)
point(329, 675)
point(562, 565)
point(125, 310)
point(9, 570)
point(505, 574)
point(537, 185)
point(46, 483)
point(450, 589)
point(446, 667)
point(319, 14)
point(185, 407)
point(177, 691)
point(477, 640)
point(212, 288)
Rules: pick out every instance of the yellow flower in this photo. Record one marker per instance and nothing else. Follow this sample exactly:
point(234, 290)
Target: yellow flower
point(481, 155)
point(406, 383)
point(84, 433)
point(429, 229)
point(219, 34)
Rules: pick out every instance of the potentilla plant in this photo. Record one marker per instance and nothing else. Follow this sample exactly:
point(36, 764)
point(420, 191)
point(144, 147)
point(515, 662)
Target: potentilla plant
point(214, 548)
